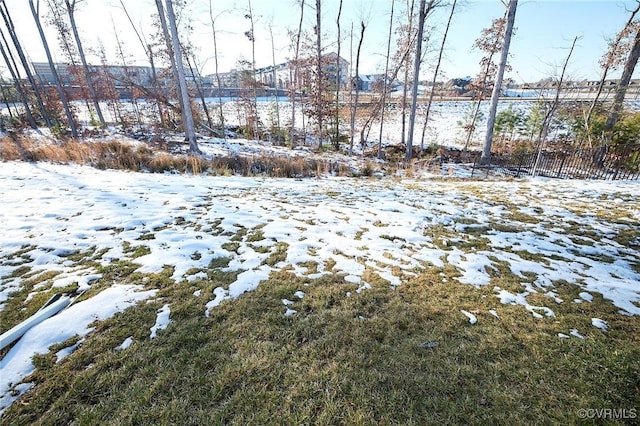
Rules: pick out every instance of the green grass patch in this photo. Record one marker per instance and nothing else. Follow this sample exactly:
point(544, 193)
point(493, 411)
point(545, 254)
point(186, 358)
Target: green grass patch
point(278, 254)
point(135, 251)
point(383, 356)
point(231, 246)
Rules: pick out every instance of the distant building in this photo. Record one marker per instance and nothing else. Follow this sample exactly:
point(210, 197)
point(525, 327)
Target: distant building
point(122, 76)
point(373, 82)
point(281, 75)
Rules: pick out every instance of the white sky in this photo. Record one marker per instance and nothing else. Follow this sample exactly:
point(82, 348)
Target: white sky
point(545, 30)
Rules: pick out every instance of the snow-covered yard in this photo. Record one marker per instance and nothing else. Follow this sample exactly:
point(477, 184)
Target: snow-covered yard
point(585, 233)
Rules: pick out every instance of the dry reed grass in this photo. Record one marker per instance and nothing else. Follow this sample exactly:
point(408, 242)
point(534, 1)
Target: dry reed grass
point(121, 155)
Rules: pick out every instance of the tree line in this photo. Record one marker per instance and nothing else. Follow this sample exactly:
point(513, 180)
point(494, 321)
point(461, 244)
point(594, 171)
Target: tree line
point(330, 109)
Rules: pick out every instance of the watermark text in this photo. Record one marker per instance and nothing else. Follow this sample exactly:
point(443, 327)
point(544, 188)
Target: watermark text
point(608, 413)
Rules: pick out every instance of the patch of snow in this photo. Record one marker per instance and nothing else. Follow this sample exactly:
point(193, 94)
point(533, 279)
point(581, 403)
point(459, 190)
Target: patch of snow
point(299, 294)
point(221, 294)
point(364, 286)
point(73, 321)
point(472, 318)
point(508, 298)
point(599, 323)
point(198, 276)
point(354, 225)
point(125, 344)
point(289, 312)
point(355, 279)
point(574, 332)
point(62, 353)
point(586, 296)
point(162, 320)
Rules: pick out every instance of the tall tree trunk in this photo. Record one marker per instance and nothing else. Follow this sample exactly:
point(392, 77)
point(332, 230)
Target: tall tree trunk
point(338, 68)
point(169, 44)
point(187, 116)
point(294, 82)
point(7, 99)
point(385, 83)
point(544, 128)
point(275, 83)
point(196, 80)
point(130, 85)
point(319, 80)
point(605, 71)
point(254, 104)
point(621, 88)
point(154, 77)
point(66, 44)
point(354, 108)
point(406, 81)
point(422, 15)
point(435, 74)
point(4, 11)
point(17, 85)
point(156, 86)
point(70, 9)
point(54, 72)
point(217, 71)
point(497, 87)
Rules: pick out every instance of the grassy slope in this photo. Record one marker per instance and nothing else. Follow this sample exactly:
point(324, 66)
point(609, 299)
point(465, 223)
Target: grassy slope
point(338, 360)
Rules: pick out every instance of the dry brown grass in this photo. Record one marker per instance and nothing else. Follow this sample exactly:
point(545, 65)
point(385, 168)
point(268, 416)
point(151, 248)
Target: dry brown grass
point(10, 150)
point(121, 155)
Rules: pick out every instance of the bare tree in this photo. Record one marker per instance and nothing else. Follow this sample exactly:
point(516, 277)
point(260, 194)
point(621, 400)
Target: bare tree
point(166, 36)
point(425, 9)
point(319, 70)
point(611, 60)
point(392, 77)
point(294, 79)
point(497, 86)
point(193, 69)
point(408, 39)
point(490, 42)
point(354, 107)
point(251, 35)
point(154, 75)
point(542, 134)
point(435, 74)
point(11, 66)
point(217, 70)
point(71, 7)
point(621, 87)
point(35, 11)
point(4, 11)
point(58, 12)
point(385, 83)
point(275, 80)
point(337, 117)
point(130, 85)
point(187, 116)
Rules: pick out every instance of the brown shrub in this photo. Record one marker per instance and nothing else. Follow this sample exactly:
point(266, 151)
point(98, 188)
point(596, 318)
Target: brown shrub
point(10, 150)
point(121, 155)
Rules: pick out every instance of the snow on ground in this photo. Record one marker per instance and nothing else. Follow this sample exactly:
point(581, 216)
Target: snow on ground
point(162, 321)
point(391, 228)
point(73, 321)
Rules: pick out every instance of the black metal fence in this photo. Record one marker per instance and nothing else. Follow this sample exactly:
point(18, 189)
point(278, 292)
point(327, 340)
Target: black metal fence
point(620, 162)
